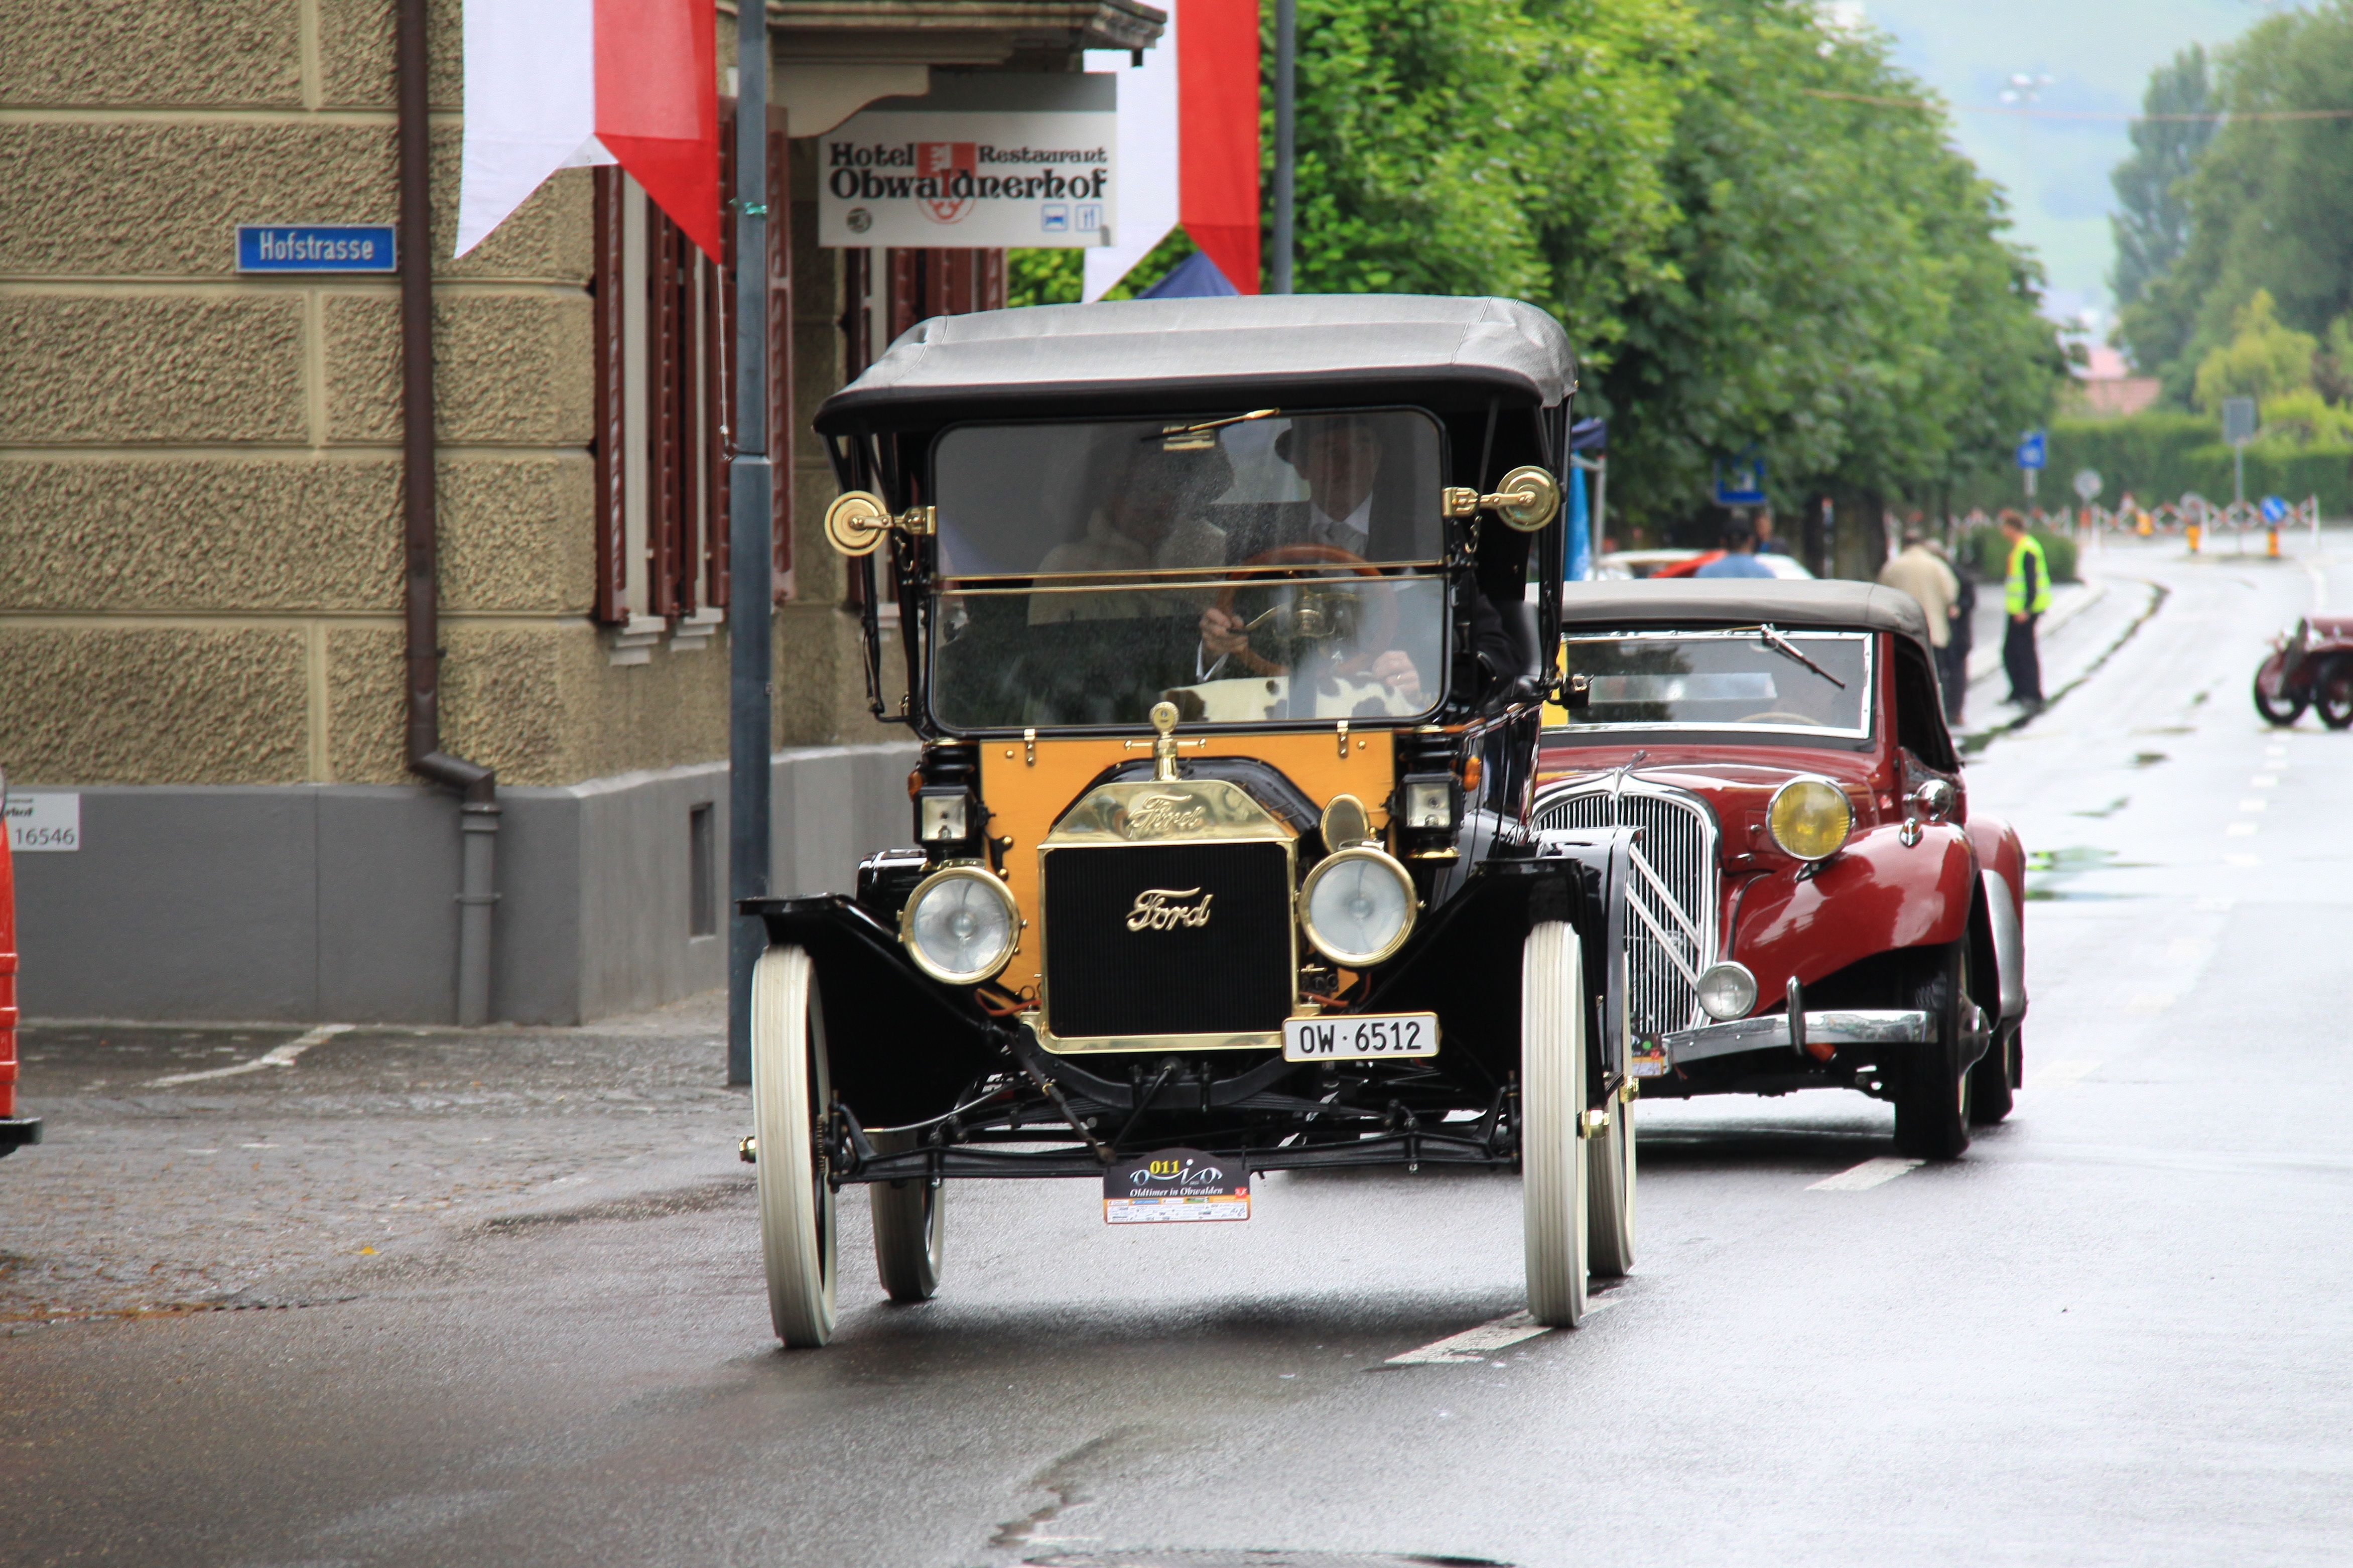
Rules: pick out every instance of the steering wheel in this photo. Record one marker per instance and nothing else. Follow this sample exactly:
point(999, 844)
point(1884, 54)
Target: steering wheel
point(1778, 717)
point(1312, 622)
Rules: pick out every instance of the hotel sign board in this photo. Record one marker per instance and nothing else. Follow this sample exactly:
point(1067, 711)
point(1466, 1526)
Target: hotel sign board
point(1015, 161)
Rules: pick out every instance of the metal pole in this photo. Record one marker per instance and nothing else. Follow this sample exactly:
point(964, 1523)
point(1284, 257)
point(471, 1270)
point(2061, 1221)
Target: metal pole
point(1286, 152)
point(751, 565)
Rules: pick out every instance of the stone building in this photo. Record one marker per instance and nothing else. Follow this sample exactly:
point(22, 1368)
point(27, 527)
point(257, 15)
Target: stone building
point(201, 531)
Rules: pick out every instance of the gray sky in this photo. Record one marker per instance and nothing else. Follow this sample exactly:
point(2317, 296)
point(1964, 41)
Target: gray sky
point(2098, 54)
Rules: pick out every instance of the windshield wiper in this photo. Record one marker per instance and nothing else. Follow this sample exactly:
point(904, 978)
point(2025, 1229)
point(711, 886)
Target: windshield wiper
point(1172, 437)
point(1783, 644)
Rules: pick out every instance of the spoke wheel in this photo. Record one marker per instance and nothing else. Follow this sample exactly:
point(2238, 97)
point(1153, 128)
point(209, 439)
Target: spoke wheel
point(910, 1226)
point(789, 1101)
point(2274, 707)
point(1609, 1184)
point(1553, 1164)
point(2332, 694)
point(1932, 1106)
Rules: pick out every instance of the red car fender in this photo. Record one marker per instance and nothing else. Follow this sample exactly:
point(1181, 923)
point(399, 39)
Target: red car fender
point(1872, 896)
point(2002, 859)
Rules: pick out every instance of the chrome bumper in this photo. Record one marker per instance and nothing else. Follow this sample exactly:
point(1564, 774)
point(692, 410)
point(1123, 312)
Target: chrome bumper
point(1846, 1026)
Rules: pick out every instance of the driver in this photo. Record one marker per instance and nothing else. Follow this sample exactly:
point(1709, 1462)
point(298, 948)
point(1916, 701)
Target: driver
point(1339, 460)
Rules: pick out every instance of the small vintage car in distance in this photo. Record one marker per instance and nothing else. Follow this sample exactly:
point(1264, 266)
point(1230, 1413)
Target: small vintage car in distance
point(1814, 905)
point(2310, 666)
point(1215, 632)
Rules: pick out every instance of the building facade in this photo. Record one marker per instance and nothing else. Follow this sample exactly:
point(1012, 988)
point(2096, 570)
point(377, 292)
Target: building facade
point(202, 651)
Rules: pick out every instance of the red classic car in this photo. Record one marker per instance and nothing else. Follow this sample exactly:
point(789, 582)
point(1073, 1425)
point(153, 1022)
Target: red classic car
point(1814, 905)
point(2311, 666)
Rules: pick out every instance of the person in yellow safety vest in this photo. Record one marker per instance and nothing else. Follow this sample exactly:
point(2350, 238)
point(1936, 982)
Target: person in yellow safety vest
point(2025, 596)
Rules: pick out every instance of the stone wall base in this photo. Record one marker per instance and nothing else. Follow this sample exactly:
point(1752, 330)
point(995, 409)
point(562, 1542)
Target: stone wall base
point(338, 902)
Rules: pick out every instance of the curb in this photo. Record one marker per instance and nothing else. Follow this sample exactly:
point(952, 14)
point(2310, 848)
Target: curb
point(1987, 662)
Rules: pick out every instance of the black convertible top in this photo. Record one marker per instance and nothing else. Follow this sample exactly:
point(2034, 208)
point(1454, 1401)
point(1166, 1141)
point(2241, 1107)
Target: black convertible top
point(1742, 601)
point(1139, 354)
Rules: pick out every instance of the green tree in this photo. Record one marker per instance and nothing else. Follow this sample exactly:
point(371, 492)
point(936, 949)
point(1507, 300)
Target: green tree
point(1838, 293)
point(2270, 202)
point(2155, 223)
point(2263, 359)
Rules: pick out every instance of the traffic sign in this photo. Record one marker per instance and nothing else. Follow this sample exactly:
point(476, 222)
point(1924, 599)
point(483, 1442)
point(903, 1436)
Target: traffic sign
point(2238, 420)
point(2087, 484)
point(1741, 481)
point(2274, 509)
point(2032, 450)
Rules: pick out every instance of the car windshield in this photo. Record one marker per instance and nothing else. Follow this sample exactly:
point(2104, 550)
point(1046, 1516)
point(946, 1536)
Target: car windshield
point(1815, 684)
point(1257, 568)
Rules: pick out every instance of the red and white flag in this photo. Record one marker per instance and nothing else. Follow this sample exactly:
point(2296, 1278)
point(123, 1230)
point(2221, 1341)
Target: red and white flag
point(558, 84)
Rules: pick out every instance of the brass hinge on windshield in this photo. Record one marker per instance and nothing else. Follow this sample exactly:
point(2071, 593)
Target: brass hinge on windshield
point(856, 520)
point(1529, 499)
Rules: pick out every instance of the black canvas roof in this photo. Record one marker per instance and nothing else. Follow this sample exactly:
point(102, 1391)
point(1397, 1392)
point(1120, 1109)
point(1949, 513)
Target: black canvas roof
point(1746, 601)
point(1152, 354)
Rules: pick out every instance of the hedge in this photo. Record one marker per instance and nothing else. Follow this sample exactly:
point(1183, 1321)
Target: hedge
point(2158, 456)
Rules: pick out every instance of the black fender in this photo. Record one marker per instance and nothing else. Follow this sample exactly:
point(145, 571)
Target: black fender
point(900, 1047)
point(1463, 961)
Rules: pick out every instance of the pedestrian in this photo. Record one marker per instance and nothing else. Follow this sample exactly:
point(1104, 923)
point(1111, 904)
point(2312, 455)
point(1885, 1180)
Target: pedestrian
point(1954, 671)
point(1739, 557)
point(1767, 543)
point(2025, 596)
point(1917, 571)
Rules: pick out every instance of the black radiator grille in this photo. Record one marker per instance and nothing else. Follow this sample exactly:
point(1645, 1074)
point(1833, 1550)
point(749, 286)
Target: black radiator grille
point(1128, 954)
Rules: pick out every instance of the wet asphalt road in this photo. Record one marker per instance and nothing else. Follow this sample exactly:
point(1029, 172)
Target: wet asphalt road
point(505, 1306)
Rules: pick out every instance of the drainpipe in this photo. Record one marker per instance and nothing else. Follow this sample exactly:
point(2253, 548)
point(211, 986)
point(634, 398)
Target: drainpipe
point(478, 816)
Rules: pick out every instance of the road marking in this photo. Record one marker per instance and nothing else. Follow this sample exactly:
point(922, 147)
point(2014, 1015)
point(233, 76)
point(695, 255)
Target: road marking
point(2241, 861)
point(2257, 803)
point(2215, 906)
point(2149, 1003)
point(1467, 1347)
point(276, 1057)
point(2240, 830)
point(1862, 1177)
point(2186, 950)
point(2059, 1075)
point(2264, 781)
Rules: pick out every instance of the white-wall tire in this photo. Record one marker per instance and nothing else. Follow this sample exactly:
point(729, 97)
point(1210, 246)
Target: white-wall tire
point(1609, 1223)
point(790, 1098)
point(910, 1226)
point(1553, 1161)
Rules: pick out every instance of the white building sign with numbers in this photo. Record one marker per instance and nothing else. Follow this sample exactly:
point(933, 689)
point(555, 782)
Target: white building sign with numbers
point(1018, 161)
point(40, 822)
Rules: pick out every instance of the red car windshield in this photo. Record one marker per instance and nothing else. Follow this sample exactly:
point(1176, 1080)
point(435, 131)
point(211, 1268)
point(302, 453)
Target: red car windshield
point(1800, 683)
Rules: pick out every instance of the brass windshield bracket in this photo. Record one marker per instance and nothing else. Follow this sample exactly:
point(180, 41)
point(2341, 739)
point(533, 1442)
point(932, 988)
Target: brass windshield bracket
point(1529, 499)
point(856, 520)
point(1343, 737)
point(1030, 748)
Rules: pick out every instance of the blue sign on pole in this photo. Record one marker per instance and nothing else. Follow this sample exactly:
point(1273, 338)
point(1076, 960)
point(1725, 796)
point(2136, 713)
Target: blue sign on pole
point(316, 247)
point(2032, 450)
point(1741, 481)
point(2274, 509)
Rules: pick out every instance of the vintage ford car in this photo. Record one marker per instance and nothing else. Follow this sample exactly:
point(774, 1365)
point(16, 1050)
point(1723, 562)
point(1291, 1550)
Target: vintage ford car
point(1814, 905)
point(1215, 633)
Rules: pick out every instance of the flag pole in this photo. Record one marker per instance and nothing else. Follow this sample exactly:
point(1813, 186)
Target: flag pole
point(751, 568)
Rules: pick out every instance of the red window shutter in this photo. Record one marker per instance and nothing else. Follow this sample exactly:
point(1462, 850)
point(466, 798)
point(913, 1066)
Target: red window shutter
point(719, 377)
point(661, 401)
point(605, 301)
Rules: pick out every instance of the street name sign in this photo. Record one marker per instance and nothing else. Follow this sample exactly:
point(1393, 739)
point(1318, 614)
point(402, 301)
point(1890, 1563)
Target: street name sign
point(1023, 160)
point(316, 247)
